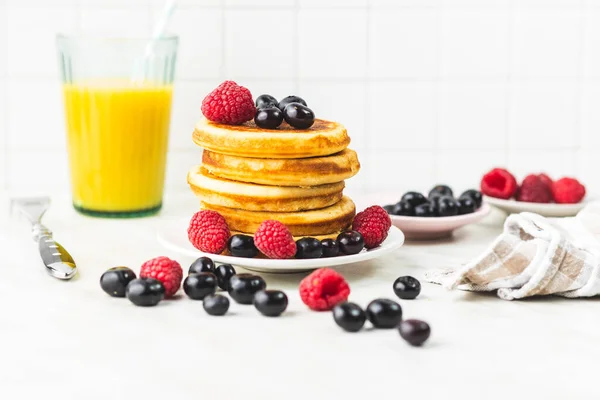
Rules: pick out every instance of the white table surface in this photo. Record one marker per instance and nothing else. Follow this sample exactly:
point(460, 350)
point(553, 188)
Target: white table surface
point(69, 340)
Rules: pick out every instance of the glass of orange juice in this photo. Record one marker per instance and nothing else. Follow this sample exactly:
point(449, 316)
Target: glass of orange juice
point(117, 97)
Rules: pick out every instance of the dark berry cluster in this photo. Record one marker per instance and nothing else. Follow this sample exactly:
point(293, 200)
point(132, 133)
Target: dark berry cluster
point(346, 243)
point(385, 313)
point(270, 113)
point(440, 202)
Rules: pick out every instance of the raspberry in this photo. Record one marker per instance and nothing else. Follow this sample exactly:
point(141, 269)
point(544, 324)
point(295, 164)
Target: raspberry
point(323, 289)
point(208, 231)
point(499, 183)
point(546, 180)
point(229, 104)
point(568, 191)
point(373, 223)
point(167, 271)
point(275, 240)
point(534, 190)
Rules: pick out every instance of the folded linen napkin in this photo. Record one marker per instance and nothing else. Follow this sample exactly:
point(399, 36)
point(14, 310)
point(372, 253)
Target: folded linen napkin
point(535, 256)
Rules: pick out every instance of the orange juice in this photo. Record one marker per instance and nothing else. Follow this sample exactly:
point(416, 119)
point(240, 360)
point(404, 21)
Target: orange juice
point(117, 135)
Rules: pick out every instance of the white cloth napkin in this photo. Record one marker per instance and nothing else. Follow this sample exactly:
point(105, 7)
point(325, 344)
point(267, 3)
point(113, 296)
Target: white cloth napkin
point(535, 256)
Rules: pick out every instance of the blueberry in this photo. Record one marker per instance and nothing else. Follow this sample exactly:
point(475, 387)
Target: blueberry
point(389, 208)
point(270, 303)
point(145, 292)
point(414, 331)
point(299, 116)
point(331, 248)
point(290, 99)
point(414, 198)
point(441, 189)
point(475, 195)
point(446, 207)
point(349, 316)
point(268, 118)
point(203, 264)
point(242, 246)
point(309, 248)
point(224, 272)
point(466, 205)
point(405, 208)
point(384, 313)
point(114, 281)
point(215, 304)
point(425, 210)
point(198, 286)
point(265, 101)
point(407, 287)
point(242, 287)
point(350, 242)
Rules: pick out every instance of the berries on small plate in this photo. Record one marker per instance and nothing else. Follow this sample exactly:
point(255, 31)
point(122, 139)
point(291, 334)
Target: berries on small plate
point(208, 232)
point(407, 287)
point(274, 240)
point(299, 116)
point(290, 99)
point(384, 313)
point(350, 242)
point(331, 247)
point(202, 264)
point(414, 331)
point(268, 118)
point(224, 272)
point(323, 289)
point(349, 316)
point(229, 104)
point(499, 183)
point(309, 247)
point(167, 271)
point(215, 304)
point(568, 191)
point(115, 280)
point(373, 224)
point(266, 101)
point(534, 190)
point(198, 286)
point(145, 292)
point(270, 303)
point(439, 215)
point(242, 246)
point(242, 287)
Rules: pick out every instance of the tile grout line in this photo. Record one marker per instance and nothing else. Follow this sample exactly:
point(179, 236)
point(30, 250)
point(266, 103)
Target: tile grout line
point(579, 152)
point(367, 94)
point(509, 80)
point(296, 47)
point(5, 100)
point(437, 98)
point(223, 61)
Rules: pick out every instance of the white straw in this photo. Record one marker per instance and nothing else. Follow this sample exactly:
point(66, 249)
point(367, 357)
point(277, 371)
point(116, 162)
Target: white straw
point(157, 32)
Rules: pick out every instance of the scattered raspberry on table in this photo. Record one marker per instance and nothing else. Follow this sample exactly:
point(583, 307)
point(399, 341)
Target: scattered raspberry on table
point(323, 289)
point(167, 271)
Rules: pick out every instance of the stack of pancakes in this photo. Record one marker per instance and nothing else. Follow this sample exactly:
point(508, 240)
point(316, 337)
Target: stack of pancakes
point(249, 174)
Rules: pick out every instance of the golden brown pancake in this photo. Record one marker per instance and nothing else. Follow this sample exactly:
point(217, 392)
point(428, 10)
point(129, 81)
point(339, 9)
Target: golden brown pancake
point(250, 196)
point(322, 222)
point(283, 172)
point(248, 140)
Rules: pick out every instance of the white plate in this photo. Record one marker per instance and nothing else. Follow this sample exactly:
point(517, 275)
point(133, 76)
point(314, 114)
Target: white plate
point(427, 228)
point(543, 209)
point(173, 235)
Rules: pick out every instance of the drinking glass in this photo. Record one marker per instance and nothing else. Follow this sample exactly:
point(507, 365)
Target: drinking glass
point(117, 98)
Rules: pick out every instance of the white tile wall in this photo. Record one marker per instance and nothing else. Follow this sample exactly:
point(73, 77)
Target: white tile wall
point(430, 90)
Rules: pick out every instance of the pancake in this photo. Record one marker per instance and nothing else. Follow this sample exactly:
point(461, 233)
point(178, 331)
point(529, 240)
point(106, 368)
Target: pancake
point(283, 172)
point(248, 140)
point(322, 222)
point(249, 196)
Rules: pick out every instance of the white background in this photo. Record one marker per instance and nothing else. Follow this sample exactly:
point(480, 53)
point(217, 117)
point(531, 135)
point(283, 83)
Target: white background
point(430, 90)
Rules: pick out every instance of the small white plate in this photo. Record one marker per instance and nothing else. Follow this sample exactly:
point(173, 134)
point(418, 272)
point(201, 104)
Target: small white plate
point(173, 235)
point(543, 209)
point(428, 228)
